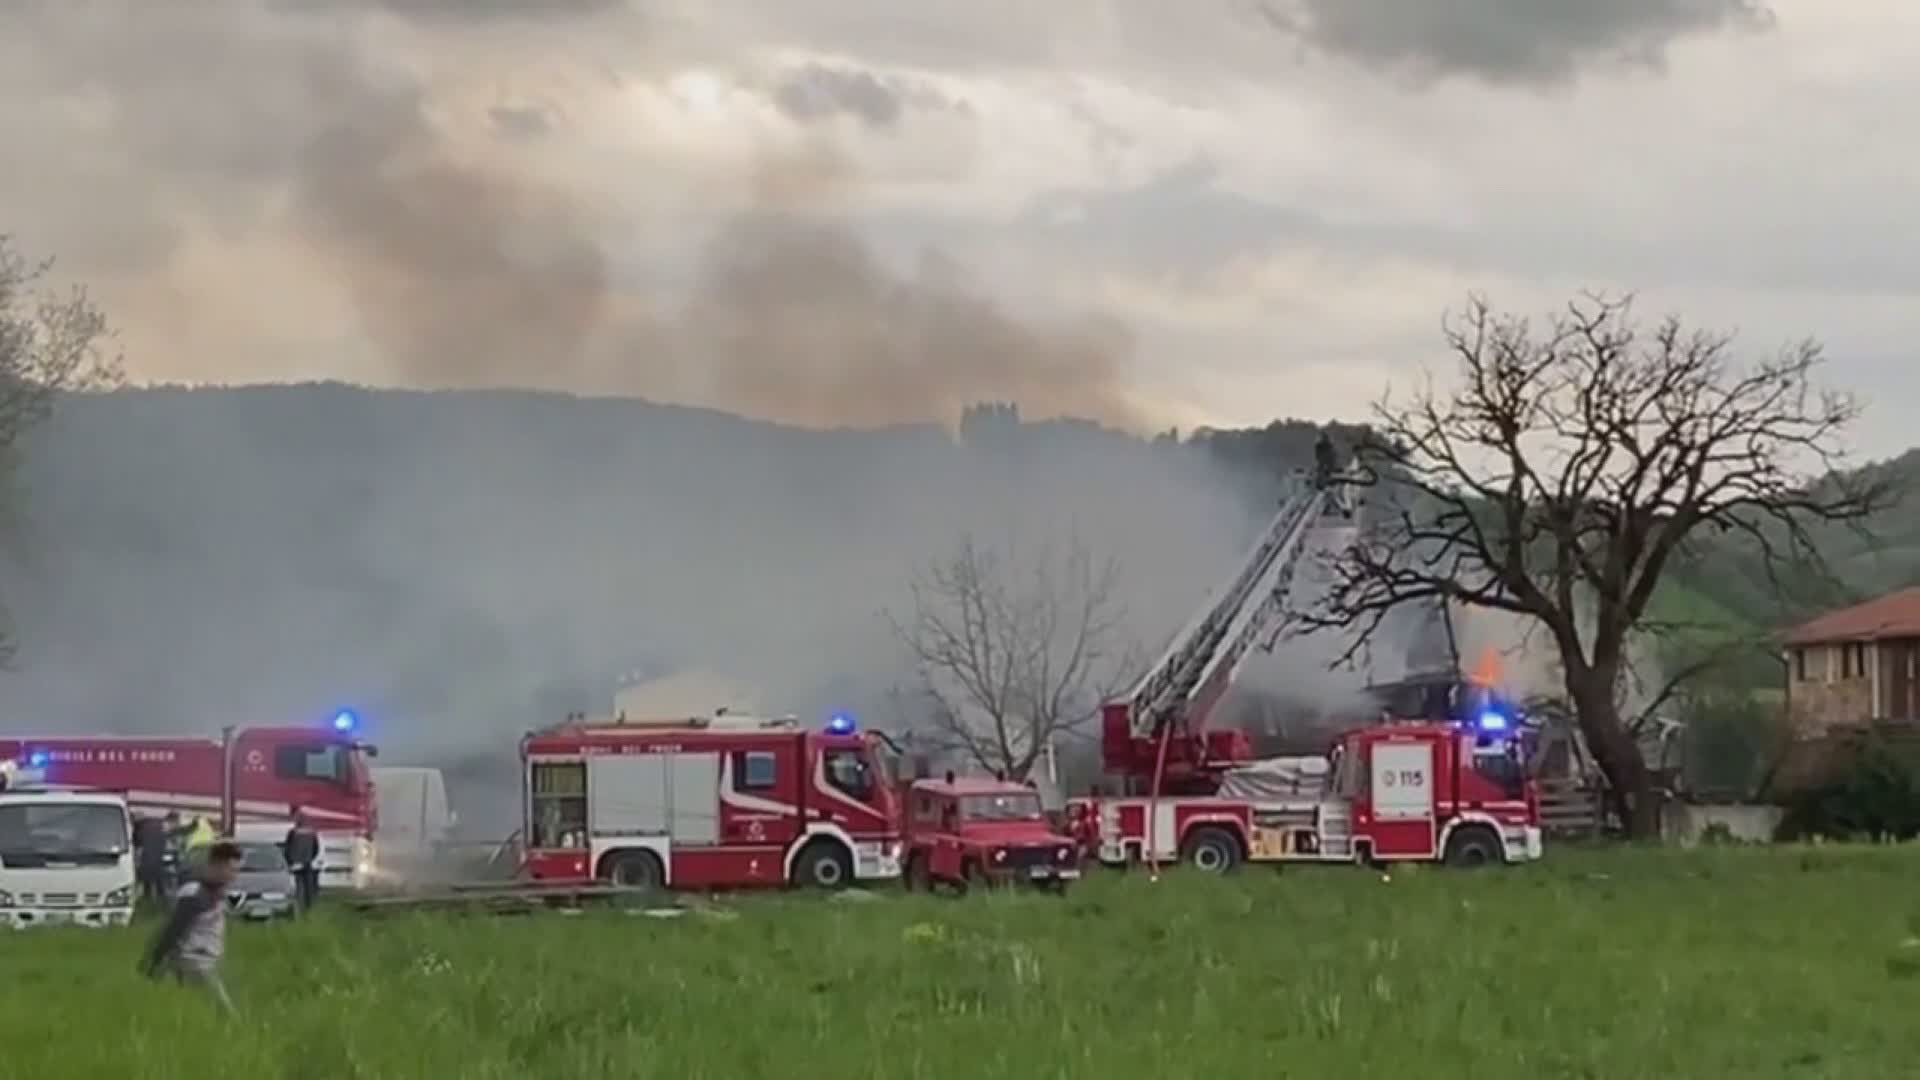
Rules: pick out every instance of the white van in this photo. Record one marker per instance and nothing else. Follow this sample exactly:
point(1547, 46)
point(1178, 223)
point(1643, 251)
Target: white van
point(414, 819)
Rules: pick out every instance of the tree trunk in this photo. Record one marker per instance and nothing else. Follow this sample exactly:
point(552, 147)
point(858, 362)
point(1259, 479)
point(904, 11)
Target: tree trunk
point(1618, 755)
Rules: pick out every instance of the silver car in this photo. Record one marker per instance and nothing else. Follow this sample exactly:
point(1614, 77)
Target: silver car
point(263, 888)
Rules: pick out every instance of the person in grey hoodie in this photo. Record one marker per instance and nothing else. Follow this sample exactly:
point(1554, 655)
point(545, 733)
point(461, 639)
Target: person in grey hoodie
point(191, 943)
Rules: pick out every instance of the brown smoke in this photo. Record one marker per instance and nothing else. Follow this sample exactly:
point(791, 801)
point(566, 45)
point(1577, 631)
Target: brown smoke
point(798, 320)
point(369, 158)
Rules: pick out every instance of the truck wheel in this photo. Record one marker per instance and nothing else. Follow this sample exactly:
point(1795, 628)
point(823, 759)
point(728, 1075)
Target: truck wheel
point(1472, 846)
point(633, 870)
point(1211, 850)
point(823, 865)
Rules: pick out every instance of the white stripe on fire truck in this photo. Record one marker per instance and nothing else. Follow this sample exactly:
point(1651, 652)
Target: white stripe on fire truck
point(741, 801)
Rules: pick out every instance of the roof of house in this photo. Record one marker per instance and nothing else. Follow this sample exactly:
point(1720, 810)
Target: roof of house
point(1895, 615)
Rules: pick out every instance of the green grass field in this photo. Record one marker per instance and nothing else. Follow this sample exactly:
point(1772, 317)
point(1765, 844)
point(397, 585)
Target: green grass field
point(1727, 963)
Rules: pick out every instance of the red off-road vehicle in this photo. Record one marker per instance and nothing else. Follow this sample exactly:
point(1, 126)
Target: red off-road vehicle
point(977, 832)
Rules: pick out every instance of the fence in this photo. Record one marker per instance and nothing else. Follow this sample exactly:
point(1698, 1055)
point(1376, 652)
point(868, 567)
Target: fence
point(1573, 809)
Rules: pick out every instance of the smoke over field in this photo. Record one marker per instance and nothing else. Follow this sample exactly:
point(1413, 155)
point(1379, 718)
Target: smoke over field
point(462, 566)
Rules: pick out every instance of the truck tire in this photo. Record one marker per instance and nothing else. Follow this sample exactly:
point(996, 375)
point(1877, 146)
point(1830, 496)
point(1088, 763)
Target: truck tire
point(1211, 849)
point(633, 870)
point(823, 864)
point(1473, 846)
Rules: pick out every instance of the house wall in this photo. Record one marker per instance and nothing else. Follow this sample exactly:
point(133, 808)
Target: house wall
point(1829, 685)
point(1899, 677)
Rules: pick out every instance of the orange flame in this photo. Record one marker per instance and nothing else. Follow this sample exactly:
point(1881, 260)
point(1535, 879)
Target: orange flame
point(1486, 674)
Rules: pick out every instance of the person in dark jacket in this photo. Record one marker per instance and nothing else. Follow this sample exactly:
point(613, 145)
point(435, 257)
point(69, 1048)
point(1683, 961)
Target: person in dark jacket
point(193, 941)
point(150, 859)
point(302, 849)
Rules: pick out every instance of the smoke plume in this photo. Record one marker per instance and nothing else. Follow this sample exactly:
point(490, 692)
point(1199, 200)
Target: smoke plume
point(412, 192)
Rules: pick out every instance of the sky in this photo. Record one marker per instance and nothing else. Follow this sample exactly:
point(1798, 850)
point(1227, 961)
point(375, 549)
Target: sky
point(867, 211)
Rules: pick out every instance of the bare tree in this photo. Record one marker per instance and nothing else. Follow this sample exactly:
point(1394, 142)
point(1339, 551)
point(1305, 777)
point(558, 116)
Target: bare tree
point(51, 343)
point(1570, 467)
point(1007, 658)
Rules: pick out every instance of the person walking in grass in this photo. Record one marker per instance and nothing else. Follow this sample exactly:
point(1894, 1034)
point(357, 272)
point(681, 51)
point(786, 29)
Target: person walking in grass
point(190, 945)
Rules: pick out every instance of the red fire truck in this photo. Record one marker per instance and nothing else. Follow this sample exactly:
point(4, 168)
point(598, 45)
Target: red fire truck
point(1385, 794)
point(1454, 790)
point(721, 801)
point(974, 831)
point(247, 780)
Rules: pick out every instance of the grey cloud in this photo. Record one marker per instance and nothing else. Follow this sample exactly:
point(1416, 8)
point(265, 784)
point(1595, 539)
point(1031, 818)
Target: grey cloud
point(816, 91)
point(461, 10)
point(1504, 40)
point(520, 121)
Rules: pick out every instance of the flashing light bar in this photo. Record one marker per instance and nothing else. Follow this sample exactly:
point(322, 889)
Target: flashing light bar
point(345, 720)
point(14, 775)
point(841, 724)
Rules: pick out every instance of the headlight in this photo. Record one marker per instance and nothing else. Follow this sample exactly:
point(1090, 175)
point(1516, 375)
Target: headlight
point(366, 867)
point(120, 896)
point(6, 899)
point(999, 854)
point(1063, 853)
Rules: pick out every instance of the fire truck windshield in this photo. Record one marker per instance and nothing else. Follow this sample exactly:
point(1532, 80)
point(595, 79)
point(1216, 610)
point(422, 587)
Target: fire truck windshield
point(1007, 806)
point(1500, 764)
point(62, 831)
point(850, 771)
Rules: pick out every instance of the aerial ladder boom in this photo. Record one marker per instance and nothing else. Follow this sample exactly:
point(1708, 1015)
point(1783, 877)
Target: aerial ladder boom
point(1159, 724)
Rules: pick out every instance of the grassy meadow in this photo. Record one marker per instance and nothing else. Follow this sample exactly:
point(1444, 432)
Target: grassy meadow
point(1721, 963)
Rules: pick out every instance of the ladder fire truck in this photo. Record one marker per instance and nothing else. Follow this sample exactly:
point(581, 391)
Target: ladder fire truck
point(721, 801)
point(1454, 790)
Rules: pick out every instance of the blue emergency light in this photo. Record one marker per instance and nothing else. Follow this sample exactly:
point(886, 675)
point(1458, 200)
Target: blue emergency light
point(345, 720)
point(37, 760)
point(1493, 720)
point(841, 724)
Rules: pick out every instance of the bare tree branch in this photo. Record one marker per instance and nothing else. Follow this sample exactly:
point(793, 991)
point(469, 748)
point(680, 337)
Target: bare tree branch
point(1007, 661)
point(51, 343)
point(1571, 464)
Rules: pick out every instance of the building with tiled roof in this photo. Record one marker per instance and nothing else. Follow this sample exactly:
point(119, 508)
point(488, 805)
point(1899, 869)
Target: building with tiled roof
point(1855, 665)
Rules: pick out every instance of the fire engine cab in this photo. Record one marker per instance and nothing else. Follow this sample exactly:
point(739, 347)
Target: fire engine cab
point(712, 802)
point(1454, 790)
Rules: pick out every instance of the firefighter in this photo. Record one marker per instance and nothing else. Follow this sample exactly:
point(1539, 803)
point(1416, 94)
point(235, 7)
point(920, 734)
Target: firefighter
point(1323, 462)
point(302, 849)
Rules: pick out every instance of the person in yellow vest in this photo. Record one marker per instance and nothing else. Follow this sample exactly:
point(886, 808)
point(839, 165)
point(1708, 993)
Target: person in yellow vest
point(200, 836)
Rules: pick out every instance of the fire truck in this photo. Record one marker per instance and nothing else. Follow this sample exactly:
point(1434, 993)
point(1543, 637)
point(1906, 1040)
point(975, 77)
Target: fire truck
point(247, 780)
point(1454, 790)
point(710, 802)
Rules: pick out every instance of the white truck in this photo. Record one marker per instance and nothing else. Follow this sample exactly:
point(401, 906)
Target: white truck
point(66, 857)
point(413, 817)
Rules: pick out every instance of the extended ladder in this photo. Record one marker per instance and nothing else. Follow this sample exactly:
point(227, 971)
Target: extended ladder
point(1176, 693)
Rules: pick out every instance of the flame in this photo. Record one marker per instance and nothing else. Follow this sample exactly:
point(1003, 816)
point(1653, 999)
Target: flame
point(1486, 674)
